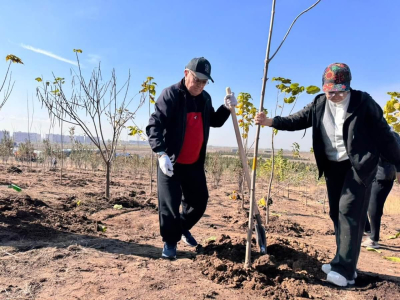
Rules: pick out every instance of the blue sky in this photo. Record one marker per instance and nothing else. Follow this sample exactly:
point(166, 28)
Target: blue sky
point(158, 38)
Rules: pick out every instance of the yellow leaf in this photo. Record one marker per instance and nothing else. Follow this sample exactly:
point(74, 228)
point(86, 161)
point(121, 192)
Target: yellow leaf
point(78, 50)
point(14, 59)
point(373, 250)
point(38, 79)
point(396, 127)
point(211, 238)
point(261, 202)
point(275, 214)
point(392, 258)
point(397, 235)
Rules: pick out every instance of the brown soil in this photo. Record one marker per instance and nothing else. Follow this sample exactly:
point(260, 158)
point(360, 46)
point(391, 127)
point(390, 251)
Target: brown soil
point(52, 246)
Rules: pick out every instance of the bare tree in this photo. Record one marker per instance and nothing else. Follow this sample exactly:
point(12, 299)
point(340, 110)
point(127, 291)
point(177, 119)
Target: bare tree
point(7, 78)
point(96, 100)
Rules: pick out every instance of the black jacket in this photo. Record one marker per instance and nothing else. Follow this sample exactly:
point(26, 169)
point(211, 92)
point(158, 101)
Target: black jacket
point(366, 134)
point(387, 171)
point(166, 129)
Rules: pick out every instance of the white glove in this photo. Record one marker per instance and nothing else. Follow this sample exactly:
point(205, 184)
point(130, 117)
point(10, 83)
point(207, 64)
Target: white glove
point(230, 100)
point(166, 165)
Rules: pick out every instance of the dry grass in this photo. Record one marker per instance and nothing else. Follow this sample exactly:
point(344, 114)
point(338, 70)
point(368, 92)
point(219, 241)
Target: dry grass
point(392, 204)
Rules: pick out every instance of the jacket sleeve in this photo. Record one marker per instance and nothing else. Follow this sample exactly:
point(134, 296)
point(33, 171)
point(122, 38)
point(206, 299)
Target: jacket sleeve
point(159, 120)
point(219, 117)
point(386, 141)
point(298, 121)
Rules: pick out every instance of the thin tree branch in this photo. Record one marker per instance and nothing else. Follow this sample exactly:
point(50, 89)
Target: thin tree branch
point(290, 28)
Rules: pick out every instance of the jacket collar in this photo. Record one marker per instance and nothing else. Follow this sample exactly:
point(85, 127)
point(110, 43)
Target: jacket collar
point(319, 104)
point(356, 98)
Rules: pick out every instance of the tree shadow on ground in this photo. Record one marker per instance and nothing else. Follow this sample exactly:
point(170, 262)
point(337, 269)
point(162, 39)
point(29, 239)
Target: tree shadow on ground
point(25, 236)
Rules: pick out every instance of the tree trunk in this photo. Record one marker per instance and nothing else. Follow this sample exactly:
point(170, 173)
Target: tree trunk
point(270, 180)
point(288, 196)
point(62, 156)
point(108, 173)
point(151, 171)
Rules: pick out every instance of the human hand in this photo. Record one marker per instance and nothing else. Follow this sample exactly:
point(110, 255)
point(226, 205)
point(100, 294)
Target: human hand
point(166, 165)
point(261, 119)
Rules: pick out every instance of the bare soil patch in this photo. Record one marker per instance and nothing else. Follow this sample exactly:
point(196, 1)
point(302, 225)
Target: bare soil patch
point(51, 246)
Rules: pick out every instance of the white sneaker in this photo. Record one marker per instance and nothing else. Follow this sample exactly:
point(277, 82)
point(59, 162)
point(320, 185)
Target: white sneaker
point(337, 279)
point(370, 244)
point(326, 268)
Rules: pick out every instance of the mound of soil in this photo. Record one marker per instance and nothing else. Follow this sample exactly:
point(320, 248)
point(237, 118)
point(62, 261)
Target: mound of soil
point(287, 227)
point(290, 270)
point(98, 202)
point(34, 219)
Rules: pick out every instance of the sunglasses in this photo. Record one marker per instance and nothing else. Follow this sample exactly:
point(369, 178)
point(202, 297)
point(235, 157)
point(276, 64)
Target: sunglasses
point(199, 81)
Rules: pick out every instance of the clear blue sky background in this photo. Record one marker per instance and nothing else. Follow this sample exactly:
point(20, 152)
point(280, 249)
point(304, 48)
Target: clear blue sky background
point(158, 38)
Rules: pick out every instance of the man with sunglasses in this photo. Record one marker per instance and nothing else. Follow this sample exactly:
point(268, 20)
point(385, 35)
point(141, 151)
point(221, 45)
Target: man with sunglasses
point(178, 132)
point(349, 134)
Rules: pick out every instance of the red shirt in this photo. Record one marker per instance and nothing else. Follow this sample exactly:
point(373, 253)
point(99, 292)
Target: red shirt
point(194, 133)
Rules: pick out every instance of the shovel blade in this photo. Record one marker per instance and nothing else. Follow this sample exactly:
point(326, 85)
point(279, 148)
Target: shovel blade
point(261, 238)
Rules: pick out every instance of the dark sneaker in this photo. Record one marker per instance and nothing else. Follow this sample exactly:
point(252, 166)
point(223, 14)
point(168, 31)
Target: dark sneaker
point(189, 239)
point(169, 251)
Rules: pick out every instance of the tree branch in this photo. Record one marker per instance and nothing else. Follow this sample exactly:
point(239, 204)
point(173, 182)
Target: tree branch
point(290, 28)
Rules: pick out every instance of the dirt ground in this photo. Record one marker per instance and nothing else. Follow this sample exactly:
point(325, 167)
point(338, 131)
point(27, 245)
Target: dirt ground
point(52, 246)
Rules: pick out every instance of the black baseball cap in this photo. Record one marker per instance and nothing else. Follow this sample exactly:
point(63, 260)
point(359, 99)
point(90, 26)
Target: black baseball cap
point(201, 67)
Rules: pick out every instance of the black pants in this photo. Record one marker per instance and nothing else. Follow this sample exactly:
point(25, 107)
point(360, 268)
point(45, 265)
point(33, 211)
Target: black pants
point(188, 187)
point(379, 192)
point(348, 202)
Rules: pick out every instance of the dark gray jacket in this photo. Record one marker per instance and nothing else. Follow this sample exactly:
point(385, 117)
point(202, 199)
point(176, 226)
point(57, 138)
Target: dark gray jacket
point(366, 134)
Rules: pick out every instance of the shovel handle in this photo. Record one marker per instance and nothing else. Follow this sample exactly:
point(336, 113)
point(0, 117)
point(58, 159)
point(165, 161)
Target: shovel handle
point(242, 154)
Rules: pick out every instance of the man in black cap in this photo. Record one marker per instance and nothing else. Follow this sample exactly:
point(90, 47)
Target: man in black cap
point(178, 132)
point(349, 134)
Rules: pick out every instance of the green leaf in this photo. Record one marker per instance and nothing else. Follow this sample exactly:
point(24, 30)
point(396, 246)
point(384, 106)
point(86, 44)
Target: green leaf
point(392, 258)
point(294, 85)
point(275, 131)
point(289, 100)
point(38, 79)
point(373, 250)
point(312, 89)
